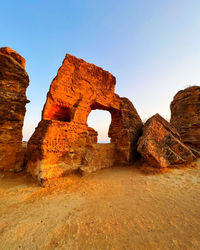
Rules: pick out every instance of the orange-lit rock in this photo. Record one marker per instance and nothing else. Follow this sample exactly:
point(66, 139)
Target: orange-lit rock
point(18, 58)
point(160, 144)
point(63, 142)
point(185, 116)
point(13, 83)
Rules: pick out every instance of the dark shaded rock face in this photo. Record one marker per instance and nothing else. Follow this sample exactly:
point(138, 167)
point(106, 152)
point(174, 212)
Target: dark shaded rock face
point(13, 83)
point(160, 144)
point(185, 116)
point(63, 142)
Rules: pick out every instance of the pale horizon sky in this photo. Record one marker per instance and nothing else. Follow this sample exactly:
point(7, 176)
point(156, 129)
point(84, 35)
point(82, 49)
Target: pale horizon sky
point(150, 46)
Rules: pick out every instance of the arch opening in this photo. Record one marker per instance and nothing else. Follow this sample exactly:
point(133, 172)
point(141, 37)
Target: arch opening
point(100, 121)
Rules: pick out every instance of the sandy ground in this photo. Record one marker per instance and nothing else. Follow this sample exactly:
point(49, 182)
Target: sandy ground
point(116, 208)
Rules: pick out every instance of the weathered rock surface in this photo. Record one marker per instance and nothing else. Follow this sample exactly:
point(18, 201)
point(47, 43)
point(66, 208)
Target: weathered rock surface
point(63, 142)
point(13, 83)
point(160, 144)
point(10, 52)
point(185, 116)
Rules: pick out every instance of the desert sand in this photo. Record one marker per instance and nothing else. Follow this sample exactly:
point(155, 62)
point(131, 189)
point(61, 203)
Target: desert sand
point(115, 208)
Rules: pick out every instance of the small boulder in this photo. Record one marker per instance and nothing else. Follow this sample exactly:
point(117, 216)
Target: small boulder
point(160, 144)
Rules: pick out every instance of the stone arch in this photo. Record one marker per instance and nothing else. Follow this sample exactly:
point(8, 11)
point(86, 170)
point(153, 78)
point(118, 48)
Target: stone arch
point(62, 142)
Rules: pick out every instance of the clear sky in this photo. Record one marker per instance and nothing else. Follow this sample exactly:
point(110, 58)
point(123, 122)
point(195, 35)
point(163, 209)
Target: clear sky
point(151, 46)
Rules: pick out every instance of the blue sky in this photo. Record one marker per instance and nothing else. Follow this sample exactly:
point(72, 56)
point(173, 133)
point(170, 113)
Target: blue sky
point(152, 47)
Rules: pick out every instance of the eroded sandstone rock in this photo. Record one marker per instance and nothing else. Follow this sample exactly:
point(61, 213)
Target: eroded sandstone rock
point(63, 142)
point(185, 116)
point(160, 144)
point(13, 54)
point(13, 83)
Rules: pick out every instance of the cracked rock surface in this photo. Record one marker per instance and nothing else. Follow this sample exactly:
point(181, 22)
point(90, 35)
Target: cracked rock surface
point(13, 83)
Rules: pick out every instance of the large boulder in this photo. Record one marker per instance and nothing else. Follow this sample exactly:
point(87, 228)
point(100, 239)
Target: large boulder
point(13, 83)
point(63, 142)
point(160, 144)
point(185, 116)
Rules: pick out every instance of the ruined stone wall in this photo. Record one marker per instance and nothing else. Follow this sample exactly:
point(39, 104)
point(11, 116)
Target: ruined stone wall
point(13, 83)
point(63, 142)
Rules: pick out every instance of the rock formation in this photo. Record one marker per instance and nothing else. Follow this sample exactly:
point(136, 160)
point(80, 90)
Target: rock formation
point(160, 144)
point(13, 83)
point(185, 116)
point(8, 51)
point(63, 142)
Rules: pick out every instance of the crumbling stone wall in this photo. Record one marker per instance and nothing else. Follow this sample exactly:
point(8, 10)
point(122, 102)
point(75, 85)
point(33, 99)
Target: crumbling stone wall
point(63, 142)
